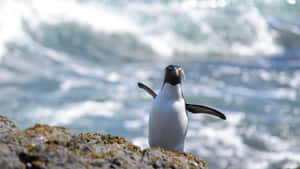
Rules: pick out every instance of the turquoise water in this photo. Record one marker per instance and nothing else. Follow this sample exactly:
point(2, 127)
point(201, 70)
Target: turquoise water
point(76, 64)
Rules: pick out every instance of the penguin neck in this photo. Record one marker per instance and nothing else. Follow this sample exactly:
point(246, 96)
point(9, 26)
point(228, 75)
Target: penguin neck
point(171, 92)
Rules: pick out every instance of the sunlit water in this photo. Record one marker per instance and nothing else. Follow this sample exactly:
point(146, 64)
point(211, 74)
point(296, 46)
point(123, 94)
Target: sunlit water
point(76, 64)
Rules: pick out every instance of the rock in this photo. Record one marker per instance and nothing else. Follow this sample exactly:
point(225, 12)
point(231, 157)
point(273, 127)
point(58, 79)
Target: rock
point(6, 126)
point(9, 159)
point(52, 147)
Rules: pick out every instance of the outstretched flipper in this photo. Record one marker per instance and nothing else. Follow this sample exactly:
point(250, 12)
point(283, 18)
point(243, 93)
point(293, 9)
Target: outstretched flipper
point(148, 89)
point(204, 109)
point(189, 107)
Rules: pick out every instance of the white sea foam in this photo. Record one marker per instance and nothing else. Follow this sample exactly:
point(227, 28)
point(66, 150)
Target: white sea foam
point(213, 86)
point(10, 23)
point(141, 141)
point(205, 90)
point(6, 75)
point(74, 112)
point(229, 139)
point(160, 34)
point(283, 93)
point(133, 124)
point(227, 70)
point(264, 38)
point(68, 84)
point(113, 77)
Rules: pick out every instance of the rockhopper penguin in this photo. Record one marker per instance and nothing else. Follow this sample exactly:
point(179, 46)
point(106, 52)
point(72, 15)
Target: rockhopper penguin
point(168, 121)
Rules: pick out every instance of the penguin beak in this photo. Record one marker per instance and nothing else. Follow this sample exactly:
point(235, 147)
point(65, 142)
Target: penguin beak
point(177, 72)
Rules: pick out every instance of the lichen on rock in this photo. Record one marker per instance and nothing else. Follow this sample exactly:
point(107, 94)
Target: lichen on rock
point(6, 126)
point(44, 146)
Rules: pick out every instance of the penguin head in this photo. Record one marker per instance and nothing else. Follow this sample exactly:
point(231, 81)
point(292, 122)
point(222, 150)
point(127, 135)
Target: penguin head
point(173, 74)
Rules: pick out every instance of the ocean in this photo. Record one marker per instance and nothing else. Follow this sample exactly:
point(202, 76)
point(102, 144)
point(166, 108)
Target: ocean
point(76, 63)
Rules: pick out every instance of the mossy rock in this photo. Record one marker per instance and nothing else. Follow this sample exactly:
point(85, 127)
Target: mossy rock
point(7, 126)
point(44, 146)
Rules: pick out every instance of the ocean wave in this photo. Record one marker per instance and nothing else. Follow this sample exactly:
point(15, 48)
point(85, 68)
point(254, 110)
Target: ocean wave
point(76, 63)
point(174, 30)
point(235, 143)
point(74, 112)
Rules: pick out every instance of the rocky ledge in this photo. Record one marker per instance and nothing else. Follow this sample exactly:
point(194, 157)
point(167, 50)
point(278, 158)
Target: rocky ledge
point(44, 146)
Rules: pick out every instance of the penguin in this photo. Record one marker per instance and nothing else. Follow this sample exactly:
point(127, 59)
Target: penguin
point(168, 121)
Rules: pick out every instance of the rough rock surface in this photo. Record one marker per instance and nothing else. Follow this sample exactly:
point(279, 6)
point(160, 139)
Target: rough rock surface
point(44, 146)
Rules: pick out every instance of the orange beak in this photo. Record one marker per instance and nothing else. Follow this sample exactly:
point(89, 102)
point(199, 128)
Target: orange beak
point(176, 71)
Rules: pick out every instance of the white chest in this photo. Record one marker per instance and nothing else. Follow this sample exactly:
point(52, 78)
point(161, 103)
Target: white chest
point(168, 121)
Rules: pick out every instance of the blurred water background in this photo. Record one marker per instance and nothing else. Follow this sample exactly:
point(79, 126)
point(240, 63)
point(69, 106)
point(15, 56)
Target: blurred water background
point(75, 63)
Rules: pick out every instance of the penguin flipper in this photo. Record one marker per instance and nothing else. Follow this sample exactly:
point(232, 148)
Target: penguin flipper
point(190, 107)
point(204, 109)
point(148, 89)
